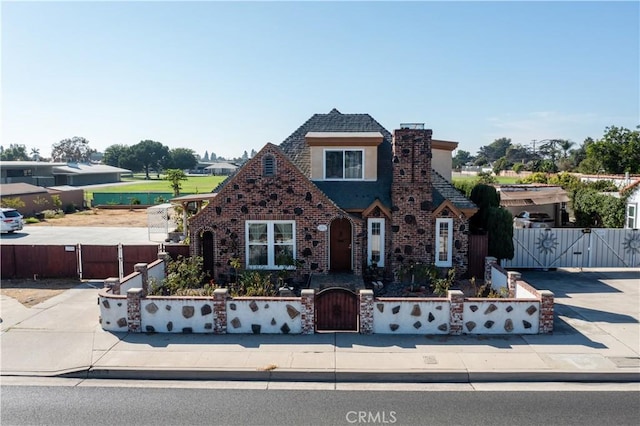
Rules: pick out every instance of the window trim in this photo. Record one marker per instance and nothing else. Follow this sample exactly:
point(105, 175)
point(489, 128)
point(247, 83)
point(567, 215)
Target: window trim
point(633, 217)
point(271, 261)
point(343, 150)
point(370, 223)
point(449, 261)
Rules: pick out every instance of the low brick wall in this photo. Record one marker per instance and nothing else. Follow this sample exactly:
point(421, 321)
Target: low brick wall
point(525, 311)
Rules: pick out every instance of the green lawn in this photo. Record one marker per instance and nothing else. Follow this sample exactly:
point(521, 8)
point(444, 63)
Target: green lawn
point(193, 184)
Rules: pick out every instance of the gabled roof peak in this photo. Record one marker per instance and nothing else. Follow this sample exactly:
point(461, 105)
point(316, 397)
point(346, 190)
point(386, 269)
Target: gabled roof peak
point(334, 111)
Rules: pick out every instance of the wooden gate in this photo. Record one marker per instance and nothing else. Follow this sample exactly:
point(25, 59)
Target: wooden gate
point(575, 248)
point(336, 310)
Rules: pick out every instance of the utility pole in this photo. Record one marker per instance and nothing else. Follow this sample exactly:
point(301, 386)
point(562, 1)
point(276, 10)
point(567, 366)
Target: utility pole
point(534, 146)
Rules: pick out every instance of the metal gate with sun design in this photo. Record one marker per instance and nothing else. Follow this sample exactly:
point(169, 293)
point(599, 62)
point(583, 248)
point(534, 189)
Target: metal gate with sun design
point(578, 248)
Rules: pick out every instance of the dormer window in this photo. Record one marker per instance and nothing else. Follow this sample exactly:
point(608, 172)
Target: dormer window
point(268, 165)
point(343, 164)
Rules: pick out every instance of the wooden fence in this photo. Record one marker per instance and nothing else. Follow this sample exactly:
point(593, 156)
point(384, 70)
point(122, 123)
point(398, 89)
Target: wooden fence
point(78, 261)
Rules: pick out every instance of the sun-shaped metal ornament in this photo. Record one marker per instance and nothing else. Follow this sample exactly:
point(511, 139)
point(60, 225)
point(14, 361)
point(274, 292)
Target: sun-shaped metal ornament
point(547, 242)
point(632, 243)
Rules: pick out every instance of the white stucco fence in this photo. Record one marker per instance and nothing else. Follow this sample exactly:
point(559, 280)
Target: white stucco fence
point(501, 316)
point(410, 316)
point(264, 315)
point(113, 312)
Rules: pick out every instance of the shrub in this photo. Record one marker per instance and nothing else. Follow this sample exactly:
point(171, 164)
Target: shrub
point(12, 203)
point(70, 208)
point(184, 273)
point(52, 214)
point(31, 220)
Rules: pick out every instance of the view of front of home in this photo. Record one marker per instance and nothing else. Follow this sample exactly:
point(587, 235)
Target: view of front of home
point(341, 193)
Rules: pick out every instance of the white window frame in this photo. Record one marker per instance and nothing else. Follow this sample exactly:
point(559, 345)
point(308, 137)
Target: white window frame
point(271, 257)
point(370, 223)
point(343, 150)
point(632, 217)
point(449, 261)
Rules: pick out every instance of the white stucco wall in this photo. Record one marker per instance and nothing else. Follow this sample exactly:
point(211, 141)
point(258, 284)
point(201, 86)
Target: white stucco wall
point(113, 312)
point(156, 271)
point(412, 316)
point(176, 315)
point(268, 314)
point(491, 316)
point(498, 279)
point(133, 280)
point(523, 293)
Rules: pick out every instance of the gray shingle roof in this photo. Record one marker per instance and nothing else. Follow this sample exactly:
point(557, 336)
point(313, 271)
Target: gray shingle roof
point(443, 189)
point(348, 195)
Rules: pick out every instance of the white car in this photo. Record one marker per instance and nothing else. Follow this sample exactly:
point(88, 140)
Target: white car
point(533, 220)
point(10, 220)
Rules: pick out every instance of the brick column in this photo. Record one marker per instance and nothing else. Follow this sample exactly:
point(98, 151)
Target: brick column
point(366, 312)
point(134, 317)
point(488, 263)
point(113, 285)
point(220, 296)
point(144, 273)
point(512, 279)
point(308, 311)
point(546, 312)
point(166, 257)
point(456, 311)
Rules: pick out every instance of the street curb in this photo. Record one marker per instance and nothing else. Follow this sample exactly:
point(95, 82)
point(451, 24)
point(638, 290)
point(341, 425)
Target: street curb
point(356, 376)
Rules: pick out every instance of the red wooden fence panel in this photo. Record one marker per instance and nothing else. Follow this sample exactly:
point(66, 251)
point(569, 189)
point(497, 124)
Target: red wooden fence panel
point(478, 250)
point(137, 254)
point(100, 262)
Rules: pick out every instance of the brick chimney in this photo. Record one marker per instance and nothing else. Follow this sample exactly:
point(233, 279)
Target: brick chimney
point(411, 193)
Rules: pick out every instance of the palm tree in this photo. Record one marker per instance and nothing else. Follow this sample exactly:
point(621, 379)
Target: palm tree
point(35, 154)
point(565, 146)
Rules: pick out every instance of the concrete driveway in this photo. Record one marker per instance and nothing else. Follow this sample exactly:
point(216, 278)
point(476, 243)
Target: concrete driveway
point(71, 235)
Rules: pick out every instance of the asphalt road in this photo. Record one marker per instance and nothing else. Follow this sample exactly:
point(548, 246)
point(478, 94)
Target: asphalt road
point(183, 406)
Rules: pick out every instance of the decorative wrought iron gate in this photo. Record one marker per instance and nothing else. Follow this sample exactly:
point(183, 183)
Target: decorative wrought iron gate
point(578, 248)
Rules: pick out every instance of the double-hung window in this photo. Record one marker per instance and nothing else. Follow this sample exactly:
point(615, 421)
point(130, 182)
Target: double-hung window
point(270, 244)
point(632, 216)
point(376, 242)
point(444, 242)
point(344, 164)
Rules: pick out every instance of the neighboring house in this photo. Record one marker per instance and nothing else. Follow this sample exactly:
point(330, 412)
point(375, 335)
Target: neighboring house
point(535, 198)
point(221, 169)
point(37, 198)
point(633, 202)
point(339, 194)
point(56, 174)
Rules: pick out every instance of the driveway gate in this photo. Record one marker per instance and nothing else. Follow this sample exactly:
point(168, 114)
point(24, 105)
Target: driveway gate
point(577, 248)
point(336, 310)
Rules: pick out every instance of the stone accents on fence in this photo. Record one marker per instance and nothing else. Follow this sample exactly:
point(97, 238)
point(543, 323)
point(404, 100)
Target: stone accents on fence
point(220, 296)
point(489, 261)
point(134, 317)
point(141, 268)
point(546, 311)
point(308, 311)
point(366, 312)
point(456, 310)
point(112, 285)
point(512, 280)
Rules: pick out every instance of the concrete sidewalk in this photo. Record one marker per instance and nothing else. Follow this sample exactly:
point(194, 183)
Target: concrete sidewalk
point(596, 338)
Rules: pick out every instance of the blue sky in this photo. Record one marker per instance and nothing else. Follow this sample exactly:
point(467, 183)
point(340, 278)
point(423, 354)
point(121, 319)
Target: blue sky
point(231, 76)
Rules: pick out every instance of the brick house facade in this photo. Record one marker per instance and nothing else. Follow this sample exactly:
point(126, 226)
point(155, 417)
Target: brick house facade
point(339, 194)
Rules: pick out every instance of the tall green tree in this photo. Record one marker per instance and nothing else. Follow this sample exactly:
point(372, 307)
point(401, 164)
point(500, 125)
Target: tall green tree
point(75, 149)
point(618, 151)
point(497, 148)
point(461, 158)
point(15, 152)
point(181, 158)
point(150, 154)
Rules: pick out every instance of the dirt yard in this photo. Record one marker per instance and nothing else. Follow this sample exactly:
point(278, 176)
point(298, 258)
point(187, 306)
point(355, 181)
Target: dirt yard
point(30, 292)
point(100, 217)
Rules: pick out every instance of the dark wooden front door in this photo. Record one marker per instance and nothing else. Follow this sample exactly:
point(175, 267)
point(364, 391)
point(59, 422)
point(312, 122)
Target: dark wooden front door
point(340, 245)
point(207, 253)
point(336, 310)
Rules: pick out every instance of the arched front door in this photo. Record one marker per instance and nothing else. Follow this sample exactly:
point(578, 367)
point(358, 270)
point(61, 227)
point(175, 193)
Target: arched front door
point(340, 246)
